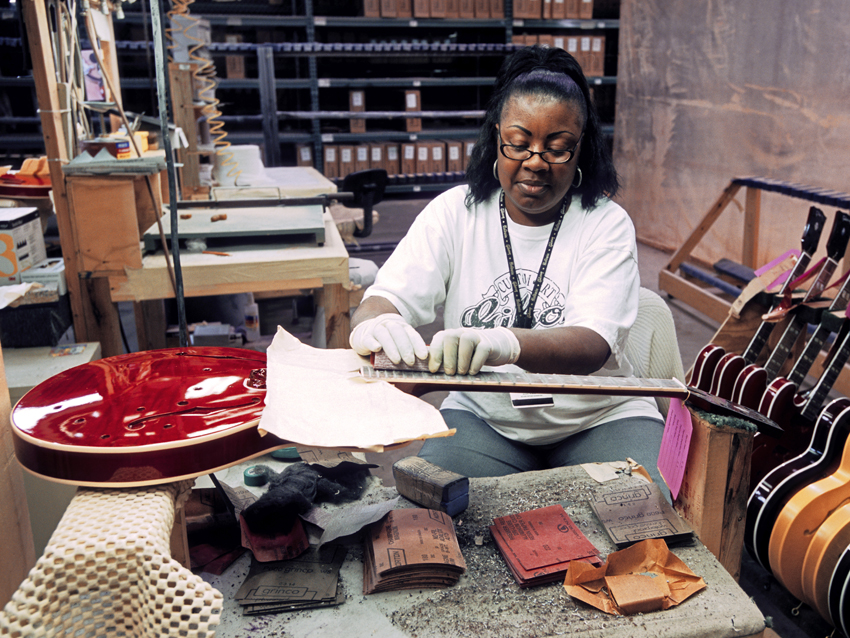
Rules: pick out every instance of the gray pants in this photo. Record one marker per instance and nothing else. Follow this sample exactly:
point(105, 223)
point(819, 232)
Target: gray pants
point(477, 450)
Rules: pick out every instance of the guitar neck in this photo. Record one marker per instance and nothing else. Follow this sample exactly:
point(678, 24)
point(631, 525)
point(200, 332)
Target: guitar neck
point(530, 382)
point(835, 364)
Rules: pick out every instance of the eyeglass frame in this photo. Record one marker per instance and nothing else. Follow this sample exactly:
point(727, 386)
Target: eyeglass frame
point(571, 151)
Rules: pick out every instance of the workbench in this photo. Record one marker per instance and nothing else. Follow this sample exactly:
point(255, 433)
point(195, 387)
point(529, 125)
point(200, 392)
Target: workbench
point(487, 601)
point(284, 269)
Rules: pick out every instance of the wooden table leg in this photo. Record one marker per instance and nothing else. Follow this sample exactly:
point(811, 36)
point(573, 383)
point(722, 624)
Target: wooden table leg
point(337, 315)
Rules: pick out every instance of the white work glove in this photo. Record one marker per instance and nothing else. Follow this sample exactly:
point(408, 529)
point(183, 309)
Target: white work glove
point(465, 350)
point(392, 334)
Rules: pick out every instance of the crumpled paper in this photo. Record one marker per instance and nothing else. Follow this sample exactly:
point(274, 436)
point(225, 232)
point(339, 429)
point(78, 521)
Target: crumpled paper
point(317, 398)
point(642, 578)
point(10, 294)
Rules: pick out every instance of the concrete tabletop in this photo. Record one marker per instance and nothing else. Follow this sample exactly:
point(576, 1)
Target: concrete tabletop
point(487, 601)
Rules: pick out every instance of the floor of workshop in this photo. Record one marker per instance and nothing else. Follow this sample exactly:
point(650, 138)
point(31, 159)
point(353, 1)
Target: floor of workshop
point(694, 330)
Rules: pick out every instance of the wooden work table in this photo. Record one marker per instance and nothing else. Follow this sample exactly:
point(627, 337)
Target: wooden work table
point(283, 269)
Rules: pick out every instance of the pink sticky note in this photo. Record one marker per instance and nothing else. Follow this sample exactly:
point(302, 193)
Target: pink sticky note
point(675, 442)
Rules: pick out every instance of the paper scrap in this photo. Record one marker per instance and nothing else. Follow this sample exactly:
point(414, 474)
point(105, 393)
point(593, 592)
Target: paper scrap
point(317, 398)
point(9, 294)
point(675, 442)
point(343, 521)
point(651, 557)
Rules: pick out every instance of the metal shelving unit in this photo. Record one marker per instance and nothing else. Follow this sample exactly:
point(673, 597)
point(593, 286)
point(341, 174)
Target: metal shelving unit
point(301, 72)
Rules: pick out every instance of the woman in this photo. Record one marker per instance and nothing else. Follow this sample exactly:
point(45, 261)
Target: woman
point(536, 269)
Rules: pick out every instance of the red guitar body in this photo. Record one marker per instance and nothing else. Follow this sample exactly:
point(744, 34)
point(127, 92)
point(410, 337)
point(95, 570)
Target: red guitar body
point(725, 375)
point(144, 418)
point(705, 365)
point(750, 386)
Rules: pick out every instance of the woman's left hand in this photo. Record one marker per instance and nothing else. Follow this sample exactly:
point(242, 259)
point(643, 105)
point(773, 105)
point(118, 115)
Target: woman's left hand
point(466, 350)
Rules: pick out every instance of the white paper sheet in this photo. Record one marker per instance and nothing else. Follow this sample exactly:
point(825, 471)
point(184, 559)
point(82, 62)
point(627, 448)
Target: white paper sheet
point(316, 397)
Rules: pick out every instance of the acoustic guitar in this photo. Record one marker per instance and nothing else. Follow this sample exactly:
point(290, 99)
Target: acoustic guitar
point(795, 412)
point(714, 368)
point(752, 380)
point(772, 493)
point(826, 547)
point(159, 416)
point(800, 519)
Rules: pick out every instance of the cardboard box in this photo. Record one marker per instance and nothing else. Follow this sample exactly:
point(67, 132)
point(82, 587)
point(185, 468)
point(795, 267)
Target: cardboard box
point(438, 157)
point(547, 9)
point(421, 9)
point(423, 157)
point(357, 104)
point(482, 8)
point(585, 45)
point(572, 9)
point(408, 158)
point(392, 158)
point(559, 41)
point(559, 9)
point(413, 102)
point(331, 161)
point(452, 8)
point(21, 242)
point(468, 145)
point(521, 9)
point(438, 8)
point(389, 9)
point(597, 55)
point(548, 40)
point(304, 155)
point(530, 39)
point(376, 156)
point(572, 47)
point(346, 160)
point(518, 38)
point(497, 8)
point(535, 9)
point(372, 8)
point(361, 157)
point(404, 8)
point(467, 8)
point(585, 9)
point(454, 156)
point(234, 65)
point(715, 487)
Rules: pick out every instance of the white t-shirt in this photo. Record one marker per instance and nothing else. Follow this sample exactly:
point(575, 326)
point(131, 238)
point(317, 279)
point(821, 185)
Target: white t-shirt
point(455, 257)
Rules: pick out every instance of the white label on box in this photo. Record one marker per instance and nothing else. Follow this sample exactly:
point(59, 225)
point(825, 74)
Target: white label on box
point(345, 155)
point(320, 21)
point(597, 45)
point(423, 153)
point(437, 153)
point(409, 152)
point(327, 137)
point(469, 147)
point(454, 153)
point(324, 83)
point(585, 43)
point(559, 41)
point(572, 45)
point(306, 155)
point(559, 1)
point(392, 153)
point(376, 154)
point(362, 154)
point(330, 154)
point(417, 188)
point(417, 83)
point(411, 100)
point(357, 98)
point(234, 22)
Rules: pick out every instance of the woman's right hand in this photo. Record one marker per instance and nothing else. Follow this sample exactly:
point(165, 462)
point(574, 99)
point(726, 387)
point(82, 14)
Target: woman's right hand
point(392, 334)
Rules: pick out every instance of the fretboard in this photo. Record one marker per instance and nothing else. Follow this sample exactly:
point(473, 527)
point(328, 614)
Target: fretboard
point(531, 382)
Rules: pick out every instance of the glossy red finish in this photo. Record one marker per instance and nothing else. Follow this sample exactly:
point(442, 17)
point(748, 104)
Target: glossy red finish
point(14, 185)
point(154, 398)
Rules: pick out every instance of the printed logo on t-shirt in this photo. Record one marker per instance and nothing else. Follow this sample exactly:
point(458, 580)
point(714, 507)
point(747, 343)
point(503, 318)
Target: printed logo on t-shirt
point(497, 307)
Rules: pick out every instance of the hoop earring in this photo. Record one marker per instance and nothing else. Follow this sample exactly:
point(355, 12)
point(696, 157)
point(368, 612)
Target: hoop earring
point(578, 170)
point(496, 170)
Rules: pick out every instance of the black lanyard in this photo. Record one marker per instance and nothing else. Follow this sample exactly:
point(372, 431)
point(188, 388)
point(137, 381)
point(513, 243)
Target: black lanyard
point(525, 318)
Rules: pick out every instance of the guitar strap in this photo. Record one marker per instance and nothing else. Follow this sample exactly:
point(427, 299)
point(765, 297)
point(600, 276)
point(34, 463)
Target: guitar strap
point(525, 317)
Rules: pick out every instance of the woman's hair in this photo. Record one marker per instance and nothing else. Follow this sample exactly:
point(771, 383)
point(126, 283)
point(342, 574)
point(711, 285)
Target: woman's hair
point(546, 72)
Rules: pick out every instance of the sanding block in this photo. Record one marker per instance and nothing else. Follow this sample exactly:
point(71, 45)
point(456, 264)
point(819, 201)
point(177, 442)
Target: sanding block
point(431, 486)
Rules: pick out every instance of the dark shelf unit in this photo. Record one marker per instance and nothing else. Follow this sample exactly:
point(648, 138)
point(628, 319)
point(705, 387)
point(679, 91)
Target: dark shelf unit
point(297, 61)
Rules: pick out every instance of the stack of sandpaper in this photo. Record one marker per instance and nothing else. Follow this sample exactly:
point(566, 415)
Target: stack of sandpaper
point(538, 545)
point(633, 510)
point(311, 580)
point(411, 549)
point(431, 486)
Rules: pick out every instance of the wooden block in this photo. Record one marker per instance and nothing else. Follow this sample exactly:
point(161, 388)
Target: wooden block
point(106, 225)
point(452, 8)
point(715, 488)
point(234, 65)
point(429, 485)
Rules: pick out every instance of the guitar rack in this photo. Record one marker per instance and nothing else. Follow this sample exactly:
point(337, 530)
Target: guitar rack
point(680, 279)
